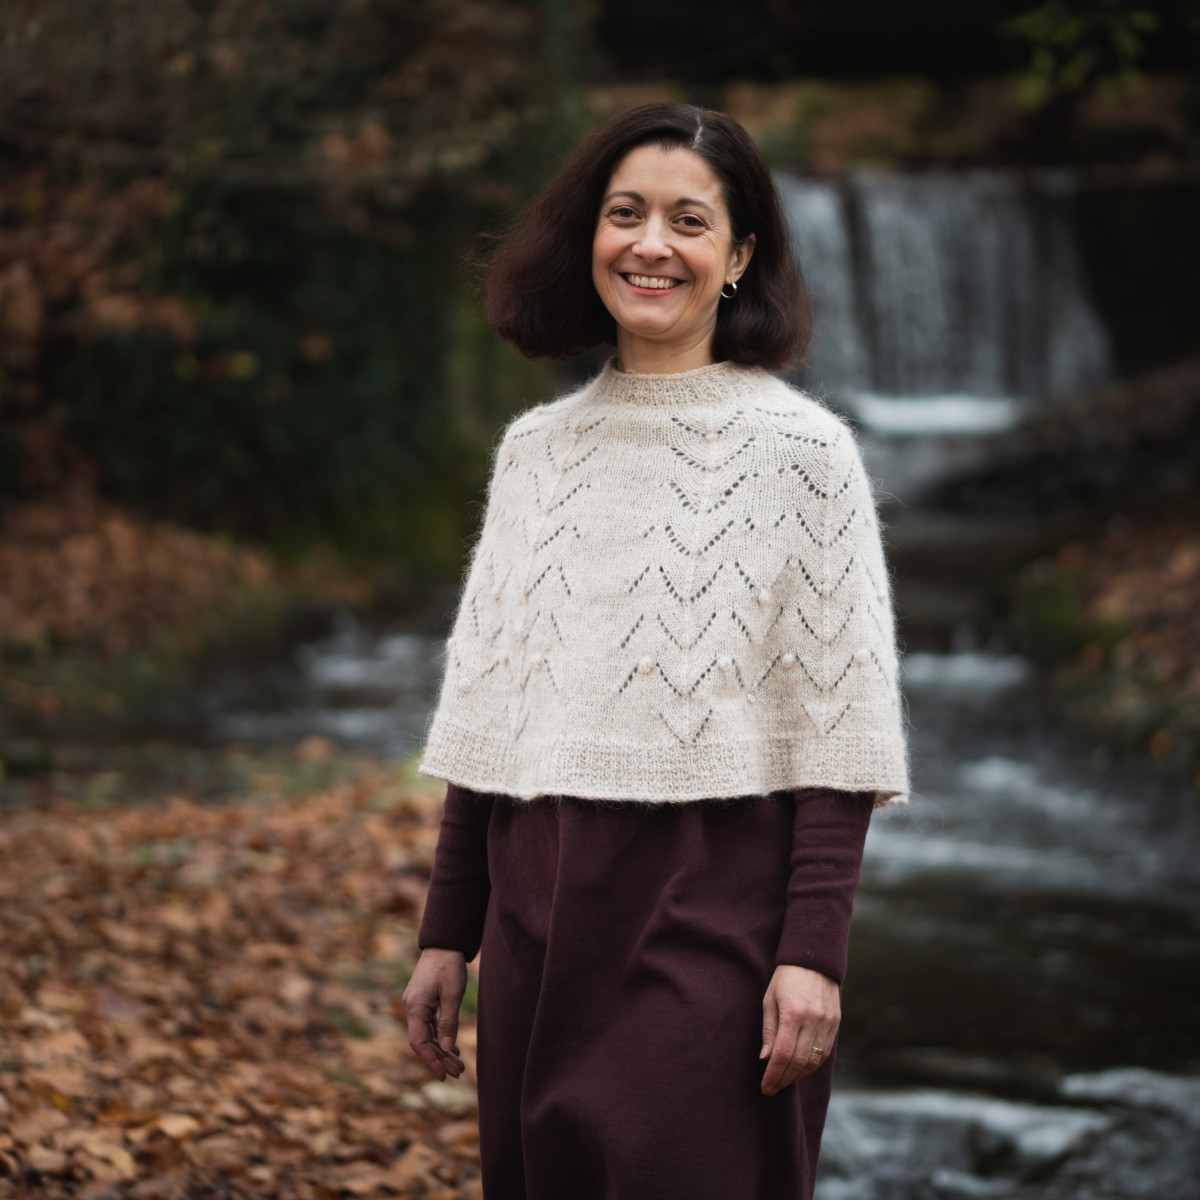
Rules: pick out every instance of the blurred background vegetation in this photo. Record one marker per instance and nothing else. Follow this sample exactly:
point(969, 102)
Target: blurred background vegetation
point(242, 370)
point(233, 255)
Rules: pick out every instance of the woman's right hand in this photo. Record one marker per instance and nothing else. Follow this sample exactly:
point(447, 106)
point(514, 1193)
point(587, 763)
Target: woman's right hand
point(432, 1001)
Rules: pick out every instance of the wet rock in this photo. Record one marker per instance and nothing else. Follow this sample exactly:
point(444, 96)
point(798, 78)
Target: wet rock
point(1136, 1087)
point(993, 1152)
point(960, 1185)
point(1151, 1150)
point(892, 1145)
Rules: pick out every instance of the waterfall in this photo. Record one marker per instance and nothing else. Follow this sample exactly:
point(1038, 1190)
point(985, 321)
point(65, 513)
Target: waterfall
point(944, 301)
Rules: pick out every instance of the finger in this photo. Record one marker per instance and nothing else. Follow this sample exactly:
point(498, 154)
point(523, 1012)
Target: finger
point(770, 1025)
point(782, 1052)
point(452, 1059)
point(813, 1048)
point(804, 1062)
point(427, 1053)
point(797, 1066)
point(450, 1062)
point(420, 1030)
point(454, 1054)
point(447, 1026)
point(417, 1020)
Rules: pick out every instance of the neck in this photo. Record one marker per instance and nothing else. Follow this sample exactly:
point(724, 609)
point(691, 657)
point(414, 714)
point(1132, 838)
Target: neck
point(640, 356)
point(717, 385)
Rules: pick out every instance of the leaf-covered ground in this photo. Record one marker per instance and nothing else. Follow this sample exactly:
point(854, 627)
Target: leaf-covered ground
point(96, 601)
point(199, 989)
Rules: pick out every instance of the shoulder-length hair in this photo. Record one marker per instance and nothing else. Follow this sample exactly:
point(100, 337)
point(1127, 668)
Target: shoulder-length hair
point(537, 280)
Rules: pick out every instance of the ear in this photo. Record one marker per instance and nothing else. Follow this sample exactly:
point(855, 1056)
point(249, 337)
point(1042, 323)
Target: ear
point(740, 258)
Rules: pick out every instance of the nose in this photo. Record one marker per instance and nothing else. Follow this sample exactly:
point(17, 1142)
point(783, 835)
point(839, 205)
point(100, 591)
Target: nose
point(652, 245)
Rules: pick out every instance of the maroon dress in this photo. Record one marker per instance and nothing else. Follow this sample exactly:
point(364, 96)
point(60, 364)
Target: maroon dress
point(626, 949)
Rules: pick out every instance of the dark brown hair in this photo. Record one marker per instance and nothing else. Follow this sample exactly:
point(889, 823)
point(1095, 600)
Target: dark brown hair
point(537, 281)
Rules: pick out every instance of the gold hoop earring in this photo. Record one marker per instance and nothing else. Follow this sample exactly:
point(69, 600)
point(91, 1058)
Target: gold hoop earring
point(729, 283)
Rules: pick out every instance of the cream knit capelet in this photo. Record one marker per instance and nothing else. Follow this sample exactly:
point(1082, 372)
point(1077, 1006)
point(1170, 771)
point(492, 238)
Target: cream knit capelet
point(679, 592)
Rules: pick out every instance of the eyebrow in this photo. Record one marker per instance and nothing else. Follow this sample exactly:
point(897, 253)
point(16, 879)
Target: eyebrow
point(682, 202)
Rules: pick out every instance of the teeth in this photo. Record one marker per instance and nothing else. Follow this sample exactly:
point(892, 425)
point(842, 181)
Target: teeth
point(652, 281)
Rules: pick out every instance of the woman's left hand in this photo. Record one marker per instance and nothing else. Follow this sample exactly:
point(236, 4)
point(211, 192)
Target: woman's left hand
point(801, 1014)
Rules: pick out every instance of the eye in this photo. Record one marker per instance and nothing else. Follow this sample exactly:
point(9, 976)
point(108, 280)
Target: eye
point(622, 212)
point(691, 222)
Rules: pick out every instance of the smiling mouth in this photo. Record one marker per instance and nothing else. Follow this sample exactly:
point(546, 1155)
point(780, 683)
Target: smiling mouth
point(658, 283)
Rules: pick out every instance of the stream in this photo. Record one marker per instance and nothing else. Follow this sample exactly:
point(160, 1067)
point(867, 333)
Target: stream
point(1021, 1017)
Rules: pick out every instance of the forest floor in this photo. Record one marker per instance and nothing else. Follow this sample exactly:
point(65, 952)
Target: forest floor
point(202, 981)
point(100, 608)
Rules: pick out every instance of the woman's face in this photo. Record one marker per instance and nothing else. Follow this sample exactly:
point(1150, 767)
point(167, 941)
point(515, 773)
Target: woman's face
point(662, 252)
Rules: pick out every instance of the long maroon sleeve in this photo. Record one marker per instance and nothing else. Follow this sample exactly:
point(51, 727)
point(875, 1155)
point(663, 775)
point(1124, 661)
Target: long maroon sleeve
point(828, 835)
point(459, 885)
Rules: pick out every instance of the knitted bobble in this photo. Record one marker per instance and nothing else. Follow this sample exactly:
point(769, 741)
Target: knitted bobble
point(725, 662)
point(788, 660)
point(645, 665)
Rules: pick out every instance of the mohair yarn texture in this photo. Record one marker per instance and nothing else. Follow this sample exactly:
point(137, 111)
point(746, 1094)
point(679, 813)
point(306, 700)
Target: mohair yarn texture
point(679, 592)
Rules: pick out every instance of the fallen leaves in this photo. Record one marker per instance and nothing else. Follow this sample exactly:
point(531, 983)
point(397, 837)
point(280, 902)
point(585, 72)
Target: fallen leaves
point(202, 999)
point(1139, 680)
point(79, 573)
point(1145, 575)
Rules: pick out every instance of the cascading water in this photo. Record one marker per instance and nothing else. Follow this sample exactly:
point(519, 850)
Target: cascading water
point(944, 303)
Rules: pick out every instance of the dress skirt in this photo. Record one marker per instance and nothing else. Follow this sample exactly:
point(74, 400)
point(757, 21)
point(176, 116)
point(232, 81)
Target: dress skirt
point(626, 950)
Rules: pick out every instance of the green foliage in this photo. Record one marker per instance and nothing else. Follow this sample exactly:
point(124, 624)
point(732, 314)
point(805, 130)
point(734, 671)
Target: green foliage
point(1097, 685)
point(1074, 45)
point(1048, 621)
point(310, 395)
point(341, 387)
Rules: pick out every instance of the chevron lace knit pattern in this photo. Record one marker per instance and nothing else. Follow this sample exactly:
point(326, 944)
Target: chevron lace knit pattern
point(679, 592)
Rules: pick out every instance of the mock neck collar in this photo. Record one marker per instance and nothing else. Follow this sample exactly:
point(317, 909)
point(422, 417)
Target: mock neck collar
point(715, 383)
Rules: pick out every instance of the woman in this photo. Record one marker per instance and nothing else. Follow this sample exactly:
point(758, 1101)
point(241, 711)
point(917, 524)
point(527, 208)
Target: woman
point(670, 703)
